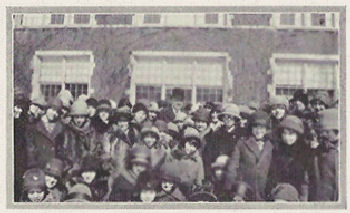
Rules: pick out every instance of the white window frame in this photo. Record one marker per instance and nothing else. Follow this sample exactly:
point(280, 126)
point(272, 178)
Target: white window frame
point(301, 57)
point(37, 69)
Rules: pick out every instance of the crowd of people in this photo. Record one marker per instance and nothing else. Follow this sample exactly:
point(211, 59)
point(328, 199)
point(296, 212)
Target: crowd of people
point(89, 150)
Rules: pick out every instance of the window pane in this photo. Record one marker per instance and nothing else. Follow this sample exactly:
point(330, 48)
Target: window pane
point(318, 19)
point(151, 19)
point(57, 19)
point(81, 19)
point(211, 18)
point(152, 93)
point(122, 19)
point(287, 19)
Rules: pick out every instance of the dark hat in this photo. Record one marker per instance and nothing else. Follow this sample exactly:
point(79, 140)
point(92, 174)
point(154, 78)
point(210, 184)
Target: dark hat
point(292, 122)
point(124, 102)
point(209, 106)
point(321, 96)
point(201, 115)
point(34, 179)
point(91, 102)
point(104, 105)
point(90, 164)
point(54, 167)
point(122, 115)
point(177, 94)
point(139, 107)
point(147, 180)
point(300, 95)
point(259, 118)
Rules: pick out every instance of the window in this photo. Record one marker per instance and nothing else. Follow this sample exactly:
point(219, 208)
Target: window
point(81, 19)
point(56, 70)
point(151, 19)
point(57, 18)
point(187, 94)
point(122, 19)
point(77, 89)
point(50, 90)
point(212, 18)
point(152, 93)
point(250, 19)
point(318, 19)
point(205, 94)
point(287, 19)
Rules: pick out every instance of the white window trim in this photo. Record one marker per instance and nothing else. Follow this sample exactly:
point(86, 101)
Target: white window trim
point(36, 67)
point(300, 57)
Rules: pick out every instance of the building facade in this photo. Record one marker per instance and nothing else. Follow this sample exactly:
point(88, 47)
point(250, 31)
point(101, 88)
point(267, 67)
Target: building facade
point(218, 57)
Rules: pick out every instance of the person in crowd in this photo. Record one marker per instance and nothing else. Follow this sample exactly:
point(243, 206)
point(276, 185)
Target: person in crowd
point(67, 99)
point(174, 111)
point(251, 158)
point(150, 138)
point(174, 133)
point(140, 115)
point(153, 111)
point(290, 158)
point(201, 123)
point(279, 106)
point(169, 184)
point(215, 123)
point(124, 103)
point(101, 121)
point(79, 193)
point(218, 178)
point(164, 137)
point(42, 142)
point(244, 112)
point(91, 107)
point(56, 191)
point(327, 189)
point(21, 105)
point(285, 193)
point(299, 103)
point(34, 189)
point(146, 187)
point(320, 101)
point(77, 139)
point(123, 186)
point(254, 106)
point(36, 110)
point(188, 159)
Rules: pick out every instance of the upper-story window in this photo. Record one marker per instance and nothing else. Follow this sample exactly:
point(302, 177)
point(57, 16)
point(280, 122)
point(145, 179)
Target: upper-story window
point(120, 19)
point(81, 19)
point(318, 19)
point(151, 19)
point(212, 18)
point(324, 20)
point(287, 19)
point(57, 18)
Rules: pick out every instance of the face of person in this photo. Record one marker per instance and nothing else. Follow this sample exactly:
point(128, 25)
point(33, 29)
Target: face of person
point(123, 126)
point(318, 106)
point(177, 105)
point(52, 115)
point(289, 137)
point(149, 139)
point(243, 123)
point(66, 119)
point(152, 116)
point(50, 181)
point(147, 195)
point(92, 110)
point(214, 117)
point(140, 116)
point(88, 176)
point(17, 111)
point(190, 147)
point(36, 195)
point(219, 173)
point(35, 110)
point(259, 132)
point(79, 120)
point(300, 106)
point(201, 125)
point(229, 121)
point(167, 186)
point(137, 168)
point(329, 135)
point(278, 113)
point(104, 116)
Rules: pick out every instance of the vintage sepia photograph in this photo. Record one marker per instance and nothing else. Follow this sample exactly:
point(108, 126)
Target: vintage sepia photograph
point(176, 107)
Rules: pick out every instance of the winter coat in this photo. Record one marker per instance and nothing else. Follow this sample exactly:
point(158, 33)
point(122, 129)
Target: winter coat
point(42, 145)
point(124, 187)
point(99, 188)
point(288, 165)
point(328, 165)
point(250, 165)
point(158, 154)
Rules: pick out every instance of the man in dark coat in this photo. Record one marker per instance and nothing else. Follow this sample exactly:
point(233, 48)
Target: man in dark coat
point(171, 113)
point(42, 142)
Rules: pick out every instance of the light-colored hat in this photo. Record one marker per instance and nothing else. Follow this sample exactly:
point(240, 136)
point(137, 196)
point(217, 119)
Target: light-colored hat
point(231, 109)
point(153, 107)
point(220, 162)
point(79, 107)
point(279, 100)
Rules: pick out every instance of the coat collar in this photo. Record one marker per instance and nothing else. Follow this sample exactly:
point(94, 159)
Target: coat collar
point(51, 135)
point(253, 146)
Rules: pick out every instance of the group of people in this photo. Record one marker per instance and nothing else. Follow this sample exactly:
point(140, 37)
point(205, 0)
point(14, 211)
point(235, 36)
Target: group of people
point(82, 150)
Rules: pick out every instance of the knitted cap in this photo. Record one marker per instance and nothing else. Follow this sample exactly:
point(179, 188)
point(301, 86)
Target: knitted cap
point(285, 192)
point(279, 100)
point(192, 134)
point(328, 119)
point(201, 115)
point(292, 122)
point(54, 167)
point(34, 179)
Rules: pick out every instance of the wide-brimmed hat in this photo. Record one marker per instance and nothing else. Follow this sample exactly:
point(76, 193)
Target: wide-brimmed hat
point(230, 109)
point(148, 127)
point(79, 107)
point(278, 100)
point(54, 167)
point(104, 105)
